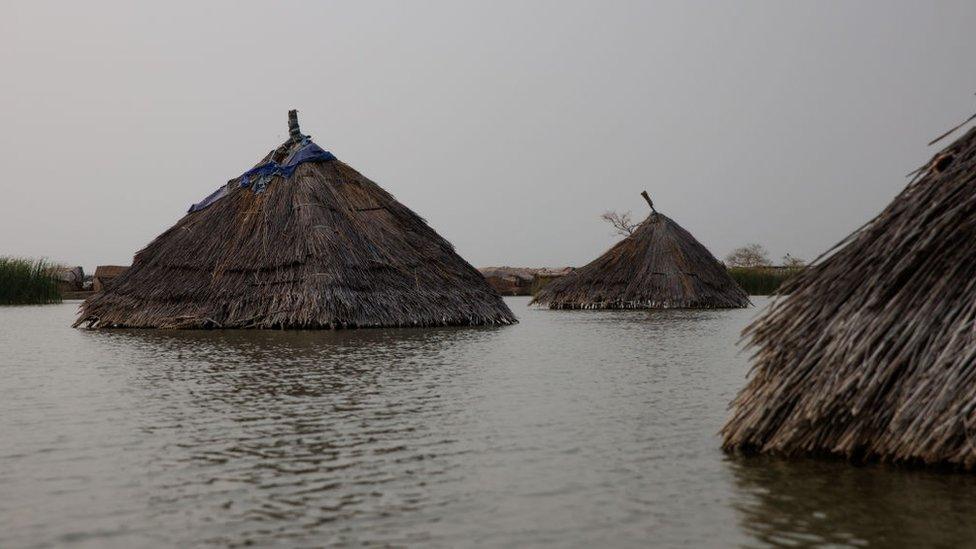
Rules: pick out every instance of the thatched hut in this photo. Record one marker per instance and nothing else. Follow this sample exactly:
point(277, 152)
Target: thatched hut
point(870, 354)
point(104, 275)
point(301, 240)
point(659, 266)
point(70, 279)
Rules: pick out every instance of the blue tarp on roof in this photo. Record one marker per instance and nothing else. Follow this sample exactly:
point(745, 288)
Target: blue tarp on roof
point(258, 177)
point(211, 198)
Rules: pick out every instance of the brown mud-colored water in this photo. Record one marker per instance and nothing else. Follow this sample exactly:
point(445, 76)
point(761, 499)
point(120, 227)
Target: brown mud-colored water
point(572, 428)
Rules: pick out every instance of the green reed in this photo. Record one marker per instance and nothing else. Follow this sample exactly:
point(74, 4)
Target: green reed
point(28, 281)
point(761, 280)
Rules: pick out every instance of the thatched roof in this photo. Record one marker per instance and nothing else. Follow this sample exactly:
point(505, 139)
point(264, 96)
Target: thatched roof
point(72, 275)
point(871, 355)
point(109, 271)
point(659, 266)
point(300, 241)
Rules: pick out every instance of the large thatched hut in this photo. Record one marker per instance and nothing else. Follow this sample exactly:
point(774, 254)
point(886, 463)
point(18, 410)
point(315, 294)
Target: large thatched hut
point(659, 266)
point(301, 240)
point(871, 353)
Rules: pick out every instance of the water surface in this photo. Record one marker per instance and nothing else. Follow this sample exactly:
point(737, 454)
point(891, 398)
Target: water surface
point(573, 428)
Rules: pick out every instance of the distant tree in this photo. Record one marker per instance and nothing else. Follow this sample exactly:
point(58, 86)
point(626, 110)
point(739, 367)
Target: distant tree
point(752, 255)
point(793, 262)
point(621, 222)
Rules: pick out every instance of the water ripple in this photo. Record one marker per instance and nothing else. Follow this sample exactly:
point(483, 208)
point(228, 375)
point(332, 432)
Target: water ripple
point(572, 428)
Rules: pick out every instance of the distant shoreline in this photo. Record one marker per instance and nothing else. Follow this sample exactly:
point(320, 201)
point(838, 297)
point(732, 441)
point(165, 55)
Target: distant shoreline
point(527, 281)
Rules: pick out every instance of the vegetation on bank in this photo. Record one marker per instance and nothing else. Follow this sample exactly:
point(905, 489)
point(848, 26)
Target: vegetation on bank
point(28, 281)
point(751, 267)
point(754, 280)
point(762, 280)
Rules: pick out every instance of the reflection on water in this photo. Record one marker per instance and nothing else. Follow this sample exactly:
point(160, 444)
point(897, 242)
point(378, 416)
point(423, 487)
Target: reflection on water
point(572, 428)
point(805, 502)
point(291, 432)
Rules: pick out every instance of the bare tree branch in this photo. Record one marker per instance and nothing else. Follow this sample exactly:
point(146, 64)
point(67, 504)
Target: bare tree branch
point(792, 261)
point(621, 222)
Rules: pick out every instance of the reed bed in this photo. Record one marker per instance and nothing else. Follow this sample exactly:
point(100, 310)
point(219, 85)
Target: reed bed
point(762, 280)
point(28, 282)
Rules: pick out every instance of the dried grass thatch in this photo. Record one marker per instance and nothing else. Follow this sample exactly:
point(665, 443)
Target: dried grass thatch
point(323, 248)
point(871, 355)
point(659, 266)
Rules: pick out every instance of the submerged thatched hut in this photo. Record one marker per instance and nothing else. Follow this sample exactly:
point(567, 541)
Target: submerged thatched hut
point(659, 266)
point(70, 279)
point(871, 353)
point(104, 275)
point(301, 240)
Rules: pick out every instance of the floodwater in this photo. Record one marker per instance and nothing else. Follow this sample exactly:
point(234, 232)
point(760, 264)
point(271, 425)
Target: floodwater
point(581, 428)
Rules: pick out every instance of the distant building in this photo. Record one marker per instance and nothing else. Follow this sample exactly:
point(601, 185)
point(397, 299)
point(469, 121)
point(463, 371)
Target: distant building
point(520, 280)
point(70, 279)
point(104, 274)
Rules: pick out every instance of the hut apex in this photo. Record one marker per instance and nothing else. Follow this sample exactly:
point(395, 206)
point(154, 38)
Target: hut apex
point(293, 130)
point(869, 354)
point(650, 202)
point(301, 240)
point(659, 266)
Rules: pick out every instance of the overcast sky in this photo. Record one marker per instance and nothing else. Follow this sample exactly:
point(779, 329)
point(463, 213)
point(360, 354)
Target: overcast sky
point(509, 126)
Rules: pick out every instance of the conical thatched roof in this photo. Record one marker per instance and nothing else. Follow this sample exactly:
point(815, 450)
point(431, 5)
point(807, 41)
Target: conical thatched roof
point(300, 241)
point(659, 266)
point(872, 354)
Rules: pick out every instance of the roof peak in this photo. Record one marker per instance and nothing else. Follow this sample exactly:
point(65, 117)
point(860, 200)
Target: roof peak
point(650, 202)
point(647, 197)
point(293, 130)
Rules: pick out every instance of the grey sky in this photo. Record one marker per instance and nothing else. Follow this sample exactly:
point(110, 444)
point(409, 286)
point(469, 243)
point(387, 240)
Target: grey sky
point(509, 126)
